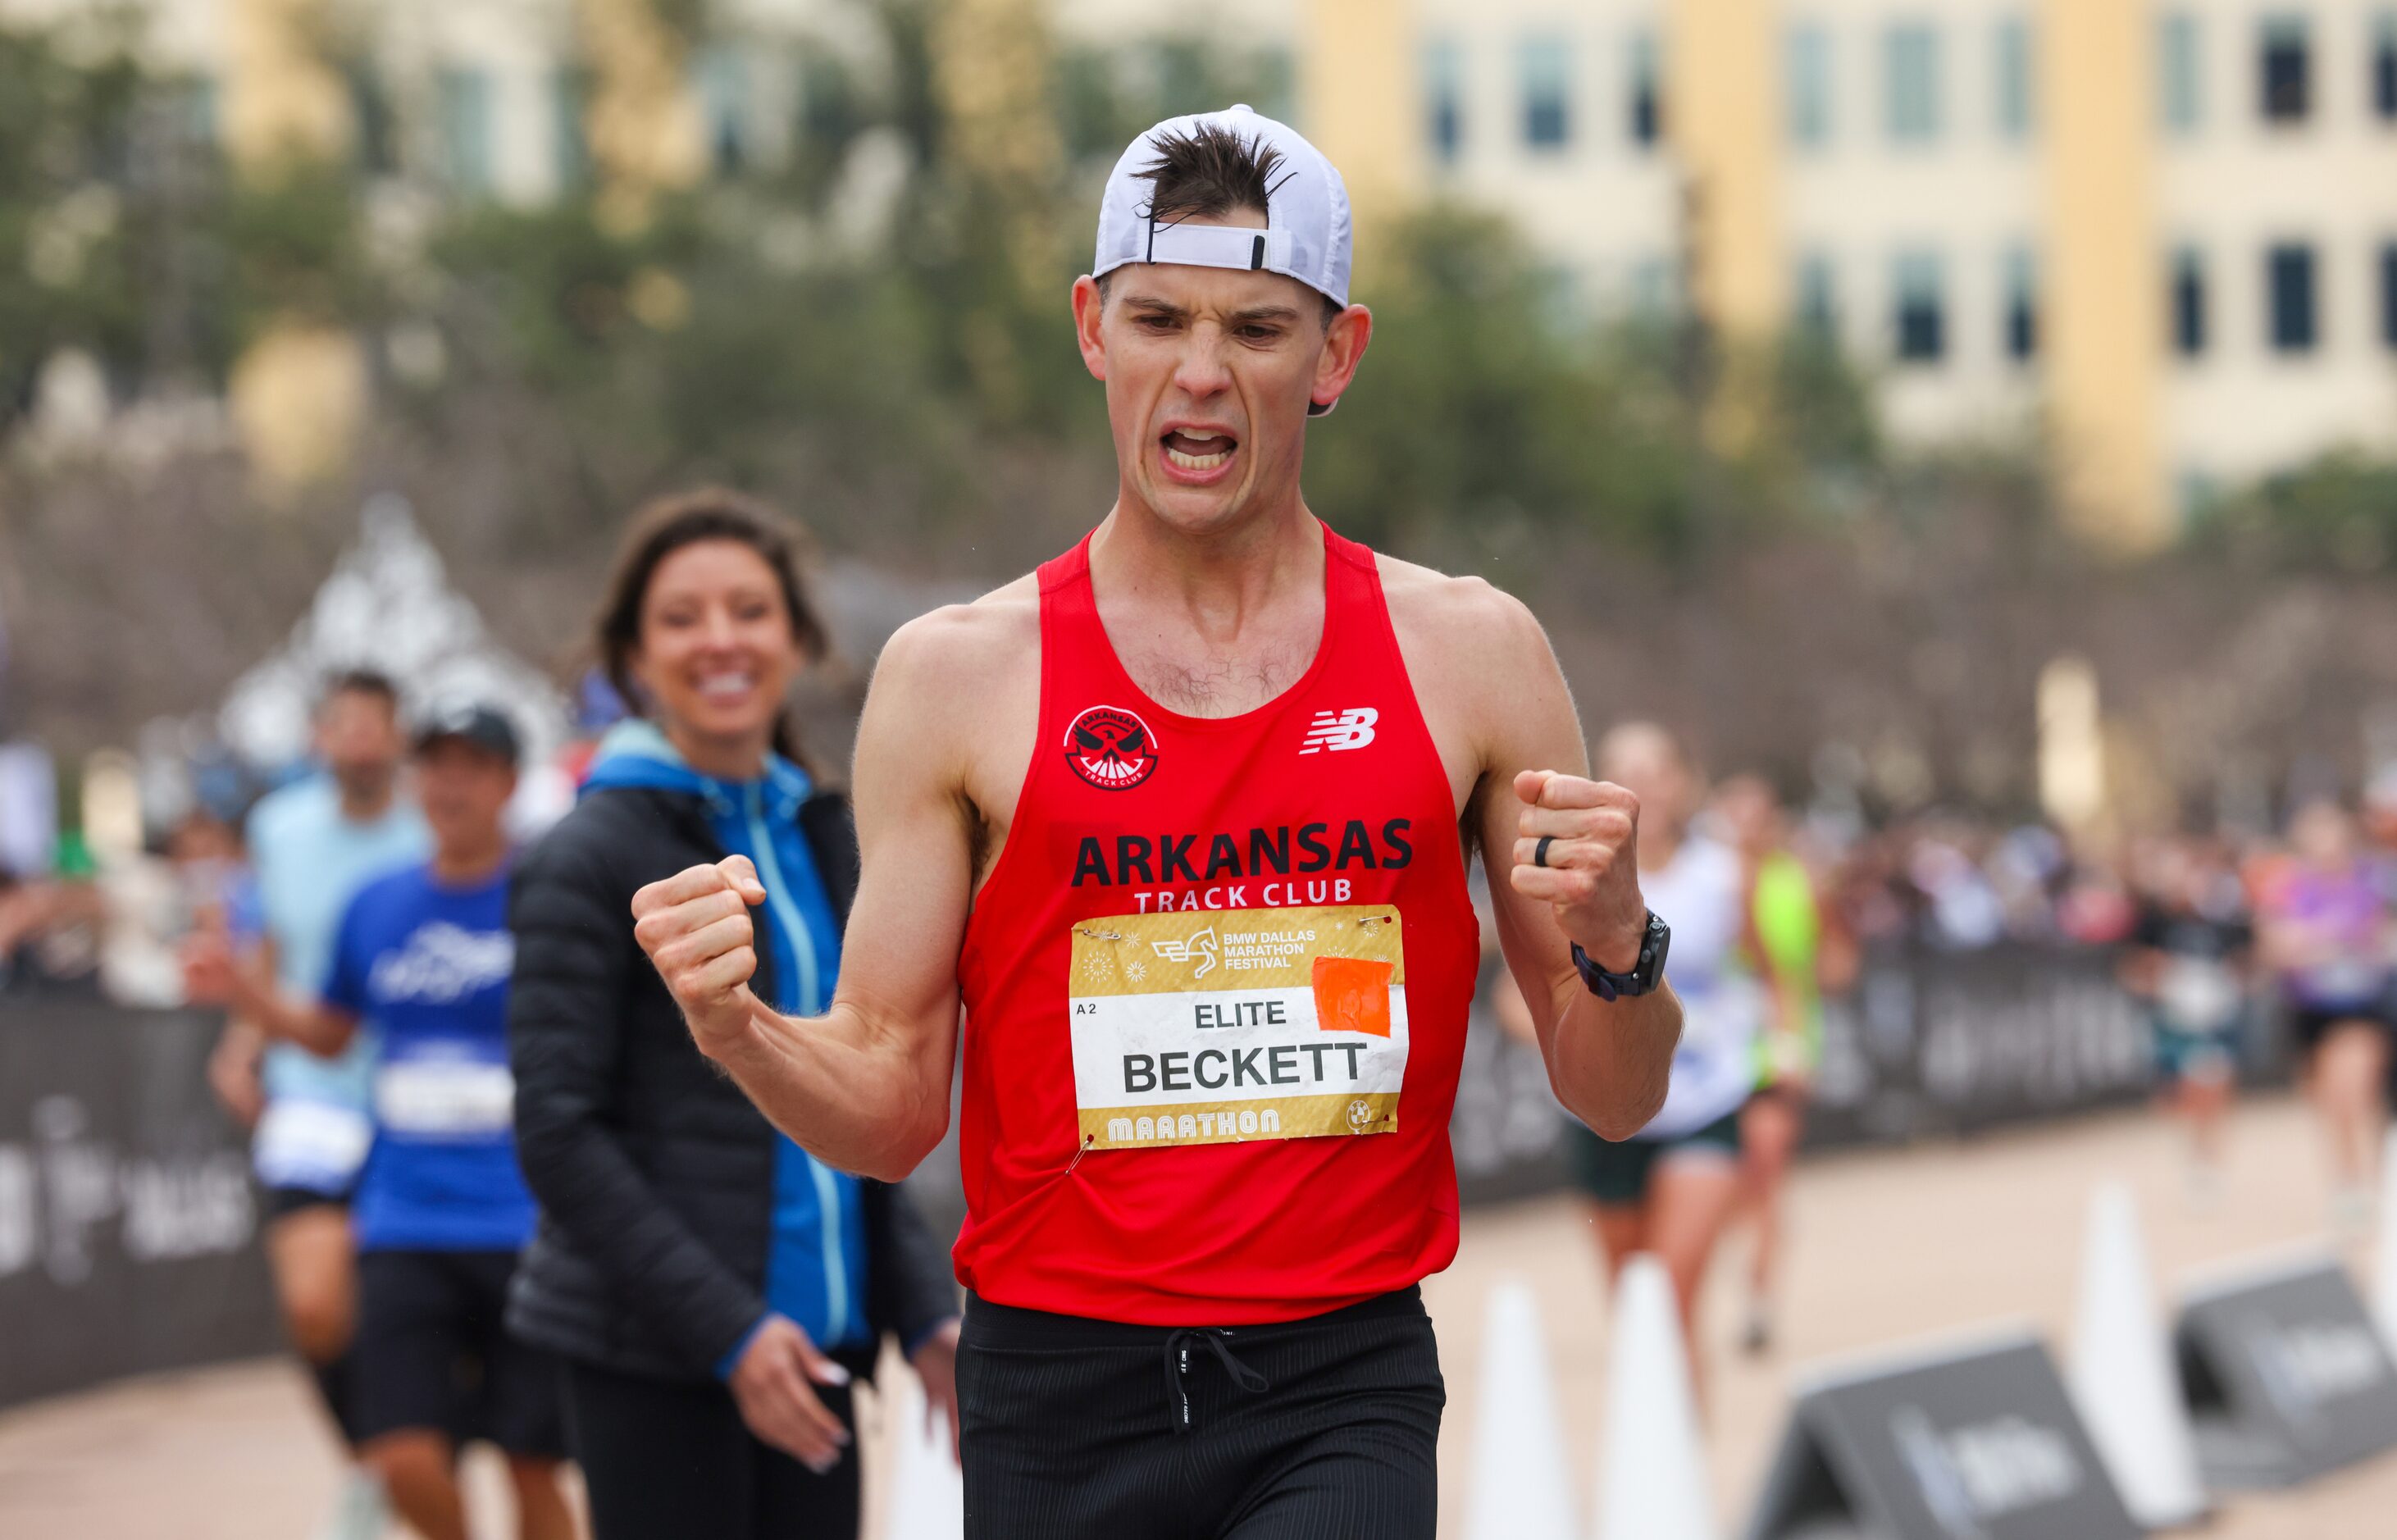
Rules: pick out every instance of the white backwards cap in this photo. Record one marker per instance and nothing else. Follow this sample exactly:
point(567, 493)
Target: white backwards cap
point(1306, 234)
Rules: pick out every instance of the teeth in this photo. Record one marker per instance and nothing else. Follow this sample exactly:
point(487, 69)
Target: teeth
point(1197, 462)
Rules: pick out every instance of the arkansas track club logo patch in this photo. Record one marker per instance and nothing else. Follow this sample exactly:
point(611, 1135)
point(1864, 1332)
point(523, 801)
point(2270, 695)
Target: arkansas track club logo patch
point(1111, 748)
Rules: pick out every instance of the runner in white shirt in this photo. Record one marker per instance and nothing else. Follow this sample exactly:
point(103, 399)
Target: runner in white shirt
point(1670, 1188)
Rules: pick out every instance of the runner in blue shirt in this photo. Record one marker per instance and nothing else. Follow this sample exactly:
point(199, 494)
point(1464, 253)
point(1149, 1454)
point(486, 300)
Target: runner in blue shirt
point(313, 844)
point(423, 956)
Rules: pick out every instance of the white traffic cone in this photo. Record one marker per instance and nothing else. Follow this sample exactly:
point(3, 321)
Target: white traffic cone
point(1651, 1469)
point(1522, 1488)
point(928, 1491)
point(2123, 1377)
point(2384, 1251)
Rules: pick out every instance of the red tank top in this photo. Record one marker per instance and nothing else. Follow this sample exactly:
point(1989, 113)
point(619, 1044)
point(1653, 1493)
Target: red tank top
point(1216, 989)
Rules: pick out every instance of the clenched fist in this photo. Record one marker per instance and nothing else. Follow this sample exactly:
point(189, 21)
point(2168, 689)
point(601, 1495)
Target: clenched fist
point(1591, 870)
point(695, 927)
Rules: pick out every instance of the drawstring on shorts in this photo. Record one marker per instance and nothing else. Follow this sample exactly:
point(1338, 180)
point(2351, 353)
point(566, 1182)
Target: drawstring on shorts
point(1177, 1369)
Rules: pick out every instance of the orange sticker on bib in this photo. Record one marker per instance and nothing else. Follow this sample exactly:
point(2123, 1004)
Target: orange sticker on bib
point(1353, 995)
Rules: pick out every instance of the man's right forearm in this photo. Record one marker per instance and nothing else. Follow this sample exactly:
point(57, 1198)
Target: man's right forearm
point(308, 1024)
point(866, 1096)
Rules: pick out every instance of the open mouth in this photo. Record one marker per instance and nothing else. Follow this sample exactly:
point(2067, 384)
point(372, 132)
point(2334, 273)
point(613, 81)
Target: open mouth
point(727, 687)
point(1198, 453)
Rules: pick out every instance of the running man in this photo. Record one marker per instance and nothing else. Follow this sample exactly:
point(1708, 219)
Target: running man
point(1177, 819)
point(1788, 949)
point(2188, 961)
point(424, 955)
point(312, 844)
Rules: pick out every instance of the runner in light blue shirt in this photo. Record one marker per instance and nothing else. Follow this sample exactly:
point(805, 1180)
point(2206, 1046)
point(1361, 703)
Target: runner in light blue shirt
point(312, 845)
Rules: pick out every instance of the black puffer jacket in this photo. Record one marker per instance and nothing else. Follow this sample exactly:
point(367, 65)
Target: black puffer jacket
point(655, 1174)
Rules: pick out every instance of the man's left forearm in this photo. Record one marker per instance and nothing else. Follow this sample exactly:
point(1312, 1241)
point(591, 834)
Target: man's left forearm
point(1609, 1061)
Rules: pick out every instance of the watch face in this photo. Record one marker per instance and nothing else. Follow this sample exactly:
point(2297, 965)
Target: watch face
point(1660, 941)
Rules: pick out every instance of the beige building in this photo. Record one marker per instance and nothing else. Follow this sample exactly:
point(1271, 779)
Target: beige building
point(2164, 230)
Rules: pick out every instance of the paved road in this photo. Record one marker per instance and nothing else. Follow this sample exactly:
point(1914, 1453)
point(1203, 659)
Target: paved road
point(1890, 1245)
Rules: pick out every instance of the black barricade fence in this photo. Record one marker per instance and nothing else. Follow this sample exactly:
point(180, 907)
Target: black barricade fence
point(1952, 1042)
point(1930, 1043)
point(128, 1226)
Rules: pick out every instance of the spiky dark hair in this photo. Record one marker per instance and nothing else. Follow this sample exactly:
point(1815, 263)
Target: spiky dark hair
point(1207, 172)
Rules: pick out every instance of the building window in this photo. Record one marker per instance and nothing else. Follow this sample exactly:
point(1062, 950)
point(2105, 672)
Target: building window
point(2284, 70)
point(1276, 77)
point(1548, 98)
point(2384, 66)
point(2290, 279)
point(1920, 313)
point(196, 116)
point(2178, 72)
point(724, 97)
point(2022, 306)
point(830, 114)
point(1910, 82)
point(2388, 295)
point(2014, 83)
point(1646, 90)
point(569, 145)
point(2188, 301)
point(1655, 289)
point(2198, 494)
point(1818, 299)
point(370, 114)
point(1443, 70)
point(1806, 60)
point(465, 103)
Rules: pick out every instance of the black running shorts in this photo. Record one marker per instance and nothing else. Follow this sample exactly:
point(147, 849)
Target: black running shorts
point(281, 1203)
point(432, 1353)
point(1326, 1428)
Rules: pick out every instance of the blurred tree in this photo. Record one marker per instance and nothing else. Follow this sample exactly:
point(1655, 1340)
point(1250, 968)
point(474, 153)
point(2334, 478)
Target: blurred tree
point(2336, 514)
point(69, 274)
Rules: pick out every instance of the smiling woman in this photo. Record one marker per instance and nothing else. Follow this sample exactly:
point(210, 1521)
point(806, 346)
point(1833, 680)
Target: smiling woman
point(706, 625)
point(711, 1286)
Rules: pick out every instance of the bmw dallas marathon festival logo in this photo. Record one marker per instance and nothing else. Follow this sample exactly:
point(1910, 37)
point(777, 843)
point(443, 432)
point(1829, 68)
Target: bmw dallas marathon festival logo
point(1111, 748)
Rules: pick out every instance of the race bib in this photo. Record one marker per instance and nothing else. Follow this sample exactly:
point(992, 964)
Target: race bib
point(2343, 980)
point(2198, 994)
point(445, 1098)
point(1216, 1027)
point(312, 1144)
point(1718, 1017)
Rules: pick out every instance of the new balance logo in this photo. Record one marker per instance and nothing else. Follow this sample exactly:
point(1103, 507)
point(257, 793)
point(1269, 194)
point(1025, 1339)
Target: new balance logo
point(1352, 728)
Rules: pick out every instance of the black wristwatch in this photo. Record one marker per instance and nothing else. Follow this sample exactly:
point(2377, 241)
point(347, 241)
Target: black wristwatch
point(1645, 974)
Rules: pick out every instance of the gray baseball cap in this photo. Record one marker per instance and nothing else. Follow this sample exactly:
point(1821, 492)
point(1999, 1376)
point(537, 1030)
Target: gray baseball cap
point(484, 727)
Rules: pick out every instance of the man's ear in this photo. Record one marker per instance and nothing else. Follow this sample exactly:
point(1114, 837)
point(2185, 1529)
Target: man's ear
point(1089, 306)
point(1345, 341)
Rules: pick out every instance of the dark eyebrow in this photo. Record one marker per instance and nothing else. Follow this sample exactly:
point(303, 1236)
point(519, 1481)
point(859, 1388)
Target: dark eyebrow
point(1262, 313)
point(1155, 306)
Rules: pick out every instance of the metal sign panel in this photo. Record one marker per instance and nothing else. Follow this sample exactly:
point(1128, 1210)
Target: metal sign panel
point(2287, 1376)
point(1971, 1443)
